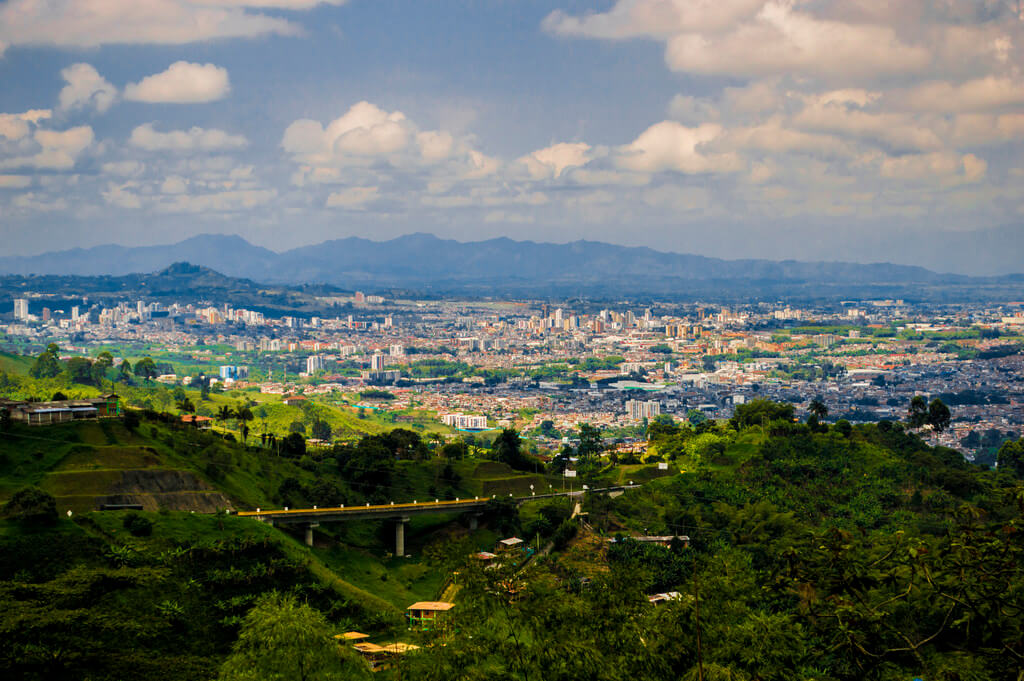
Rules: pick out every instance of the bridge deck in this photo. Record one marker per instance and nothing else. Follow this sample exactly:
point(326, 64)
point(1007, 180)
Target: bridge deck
point(392, 510)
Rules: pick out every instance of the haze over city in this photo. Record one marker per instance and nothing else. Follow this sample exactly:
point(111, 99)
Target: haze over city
point(813, 130)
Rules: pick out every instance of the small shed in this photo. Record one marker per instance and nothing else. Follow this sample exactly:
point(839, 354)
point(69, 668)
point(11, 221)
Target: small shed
point(424, 615)
point(508, 544)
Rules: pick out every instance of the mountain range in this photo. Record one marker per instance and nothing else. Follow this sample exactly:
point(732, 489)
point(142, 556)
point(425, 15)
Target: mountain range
point(423, 262)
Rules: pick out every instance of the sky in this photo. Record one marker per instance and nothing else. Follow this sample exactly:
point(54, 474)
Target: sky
point(813, 129)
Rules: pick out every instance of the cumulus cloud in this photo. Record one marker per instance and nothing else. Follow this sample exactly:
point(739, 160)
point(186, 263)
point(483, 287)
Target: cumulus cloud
point(551, 161)
point(364, 130)
point(182, 83)
point(86, 88)
point(193, 139)
point(17, 126)
point(54, 150)
point(672, 146)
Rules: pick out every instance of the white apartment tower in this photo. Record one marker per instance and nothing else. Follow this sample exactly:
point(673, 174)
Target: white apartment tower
point(21, 309)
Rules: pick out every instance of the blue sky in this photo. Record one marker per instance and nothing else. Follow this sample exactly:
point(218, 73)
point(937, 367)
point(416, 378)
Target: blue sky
point(737, 128)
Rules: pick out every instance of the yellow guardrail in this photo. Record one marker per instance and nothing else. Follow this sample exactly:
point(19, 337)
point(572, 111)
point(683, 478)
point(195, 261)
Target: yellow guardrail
point(367, 507)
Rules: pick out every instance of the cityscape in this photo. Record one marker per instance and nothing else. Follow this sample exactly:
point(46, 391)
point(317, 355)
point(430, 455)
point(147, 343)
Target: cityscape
point(546, 340)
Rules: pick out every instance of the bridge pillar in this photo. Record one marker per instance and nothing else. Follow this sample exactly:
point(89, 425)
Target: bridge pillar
point(474, 521)
point(400, 536)
point(309, 533)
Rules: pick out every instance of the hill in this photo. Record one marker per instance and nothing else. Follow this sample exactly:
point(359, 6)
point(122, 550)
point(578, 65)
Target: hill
point(425, 263)
point(794, 551)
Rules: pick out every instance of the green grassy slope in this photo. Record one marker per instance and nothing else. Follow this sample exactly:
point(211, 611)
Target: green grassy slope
point(15, 364)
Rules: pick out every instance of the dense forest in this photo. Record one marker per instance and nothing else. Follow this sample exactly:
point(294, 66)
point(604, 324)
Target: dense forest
point(801, 551)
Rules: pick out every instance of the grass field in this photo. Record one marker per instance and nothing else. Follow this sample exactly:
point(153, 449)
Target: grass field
point(15, 364)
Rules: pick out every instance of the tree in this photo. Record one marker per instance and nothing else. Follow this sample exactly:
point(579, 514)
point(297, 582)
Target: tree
point(32, 506)
point(79, 370)
point(758, 412)
point(47, 364)
point(696, 417)
point(224, 414)
point(321, 430)
point(103, 362)
point(507, 448)
point(293, 446)
point(591, 443)
point(1011, 457)
point(186, 407)
point(283, 640)
point(131, 419)
point(124, 372)
point(145, 369)
point(939, 415)
point(917, 416)
point(818, 408)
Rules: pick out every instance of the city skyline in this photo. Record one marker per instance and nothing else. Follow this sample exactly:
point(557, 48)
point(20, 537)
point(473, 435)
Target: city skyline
point(851, 132)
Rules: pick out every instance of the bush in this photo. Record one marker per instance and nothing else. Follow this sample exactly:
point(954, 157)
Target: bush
point(137, 525)
point(32, 506)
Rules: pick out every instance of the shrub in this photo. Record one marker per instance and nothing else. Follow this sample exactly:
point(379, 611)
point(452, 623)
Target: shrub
point(137, 525)
point(32, 506)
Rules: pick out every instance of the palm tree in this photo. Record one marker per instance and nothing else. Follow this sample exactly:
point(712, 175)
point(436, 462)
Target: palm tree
point(818, 408)
point(224, 414)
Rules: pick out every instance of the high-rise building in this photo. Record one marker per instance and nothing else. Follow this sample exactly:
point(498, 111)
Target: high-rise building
point(377, 362)
point(314, 364)
point(74, 313)
point(642, 409)
point(21, 309)
point(397, 350)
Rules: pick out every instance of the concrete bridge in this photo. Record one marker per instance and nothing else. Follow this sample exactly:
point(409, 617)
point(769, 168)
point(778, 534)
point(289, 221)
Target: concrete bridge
point(400, 513)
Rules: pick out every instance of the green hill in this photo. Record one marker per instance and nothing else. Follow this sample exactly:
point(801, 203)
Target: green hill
point(15, 364)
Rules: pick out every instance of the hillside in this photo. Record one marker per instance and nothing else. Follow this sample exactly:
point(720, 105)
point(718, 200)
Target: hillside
point(801, 552)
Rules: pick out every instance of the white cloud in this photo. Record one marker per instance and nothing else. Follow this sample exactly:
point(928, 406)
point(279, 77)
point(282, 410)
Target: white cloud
point(14, 181)
point(123, 168)
point(981, 94)
point(840, 113)
point(435, 145)
point(56, 150)
point(353, 197)
point(364, 130)
point(174, 185)
point(40, 203)
point(182, 83)
point(86, 88)
point(653, 18)
point(939, 165)
point(120, 195)
point(90, 23)
point(216, 202)
point(17, 126)
point(671, 146)
point(551, 161)
point(194, 139)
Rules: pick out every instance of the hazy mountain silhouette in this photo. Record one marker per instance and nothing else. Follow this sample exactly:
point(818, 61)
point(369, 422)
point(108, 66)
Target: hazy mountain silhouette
point(419, 259)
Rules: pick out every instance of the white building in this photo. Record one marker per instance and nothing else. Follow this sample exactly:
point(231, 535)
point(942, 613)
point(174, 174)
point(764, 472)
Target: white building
point(377, 362)
point(639, 409)
point(21, 309)
point(314, 364)
point(465, 421)
point(397, 350)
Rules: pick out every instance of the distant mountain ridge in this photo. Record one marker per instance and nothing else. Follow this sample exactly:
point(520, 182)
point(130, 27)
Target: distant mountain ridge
point(419, 257)
point(495, 266)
